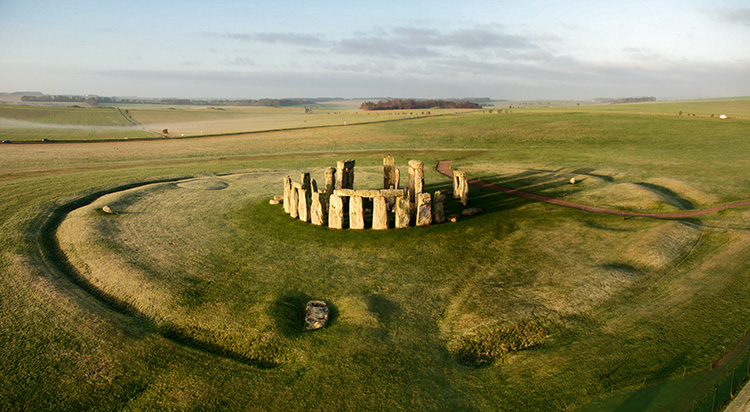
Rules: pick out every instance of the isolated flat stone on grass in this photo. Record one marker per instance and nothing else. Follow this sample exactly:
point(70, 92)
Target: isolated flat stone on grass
point(316, 314)
point(106, 209)
point(471, 211)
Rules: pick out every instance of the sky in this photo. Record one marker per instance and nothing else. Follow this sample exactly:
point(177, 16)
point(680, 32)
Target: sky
point(517, 50)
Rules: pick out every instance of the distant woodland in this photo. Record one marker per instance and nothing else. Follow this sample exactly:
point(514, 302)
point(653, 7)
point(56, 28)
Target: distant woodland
point(95, 100)
point(407, 104)
point(626, 100)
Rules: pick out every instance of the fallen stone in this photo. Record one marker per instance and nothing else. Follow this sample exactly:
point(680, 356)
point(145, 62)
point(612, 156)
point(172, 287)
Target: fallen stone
point(107, 210)
point(316, 315)
point(572, 180)
point(453, 218)
point(471, 211)
point(273, 202)
point(280, 198)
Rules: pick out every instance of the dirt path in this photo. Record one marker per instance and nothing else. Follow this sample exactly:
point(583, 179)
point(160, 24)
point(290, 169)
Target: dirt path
point(444, 167)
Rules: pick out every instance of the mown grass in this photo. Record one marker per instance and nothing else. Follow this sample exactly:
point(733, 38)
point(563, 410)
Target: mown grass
point(36, 123)
point(607, 303)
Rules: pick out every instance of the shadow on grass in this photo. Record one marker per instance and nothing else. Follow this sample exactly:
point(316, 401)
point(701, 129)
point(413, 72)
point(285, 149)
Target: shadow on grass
point(57, 261)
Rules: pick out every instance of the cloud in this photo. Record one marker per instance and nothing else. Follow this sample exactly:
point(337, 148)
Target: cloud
point(288, 38)
point(740, 15)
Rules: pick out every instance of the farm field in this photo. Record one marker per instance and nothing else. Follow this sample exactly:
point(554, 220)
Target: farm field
point(190, 296)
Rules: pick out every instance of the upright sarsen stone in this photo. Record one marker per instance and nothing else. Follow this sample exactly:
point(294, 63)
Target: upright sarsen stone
point(303, 208)
point(336, 212)
point(318, 209)
point(438, 207)
point(379, 213)
point(424, 209)
point(345, 174)
point(403, 212)
point(287, 194)
point(294, 201)
point(389, 173)
point(330, 174)
point(356, 213)
point(416, 179)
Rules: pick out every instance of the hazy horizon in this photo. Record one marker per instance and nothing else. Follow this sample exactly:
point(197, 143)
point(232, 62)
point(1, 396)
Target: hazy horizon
point(545, 50)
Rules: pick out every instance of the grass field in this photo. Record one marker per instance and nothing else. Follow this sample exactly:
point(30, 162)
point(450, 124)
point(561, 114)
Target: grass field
point(190, 296)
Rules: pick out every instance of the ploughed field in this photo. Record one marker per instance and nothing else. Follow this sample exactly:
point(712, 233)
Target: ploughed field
point(191, 295)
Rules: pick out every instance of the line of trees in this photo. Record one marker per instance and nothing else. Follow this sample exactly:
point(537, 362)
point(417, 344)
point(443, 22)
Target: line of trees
point(409, 104)
point(94, 100)
point(626, 100)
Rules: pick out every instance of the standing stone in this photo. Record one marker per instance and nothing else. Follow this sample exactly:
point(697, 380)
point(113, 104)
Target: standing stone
point(438, 208)
point(345, 174)
point(416, 179)
point(287, 194)
point(294, 202)
point(336, 212)
point(356, 213)
point(379, 213)
point(424, 209)
point(403, 212)
point(305, 179)
point(318, 210)
point(456, 187)
point(303, 208)
point(330, 174)
point(389, 173)
point(464, 188)
point(340, 175)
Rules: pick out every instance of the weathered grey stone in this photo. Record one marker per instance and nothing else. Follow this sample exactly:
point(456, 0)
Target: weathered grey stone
point(316, 314)
point(273, 202)
point(460, 187)
point(345, 174)
point(294, 203)
point(403, 212)
point(424, 209)
point(356, 213)
point(416, 178)
point(379, 214)
point(336, 212)
point(471, 211)
point(287, 194)
point(106, 209)
point(278, 197)
point(389, 172)
point(330, 174)
point(303, 208)
point(306, 180)
point(438, 207)
point(318, 209)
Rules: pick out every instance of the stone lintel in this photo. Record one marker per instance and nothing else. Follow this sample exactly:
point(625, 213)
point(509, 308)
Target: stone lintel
point(370, 194)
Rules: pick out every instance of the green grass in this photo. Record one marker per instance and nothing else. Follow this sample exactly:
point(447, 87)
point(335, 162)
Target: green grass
point(35, 123)
point(197, 286)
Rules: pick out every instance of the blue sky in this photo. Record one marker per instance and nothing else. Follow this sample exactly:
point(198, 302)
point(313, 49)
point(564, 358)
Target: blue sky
point(499, 49)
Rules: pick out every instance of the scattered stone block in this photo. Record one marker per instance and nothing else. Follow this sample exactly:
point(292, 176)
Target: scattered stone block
point(453, 218)
point(572, 180)
point(106, 209)
point(424, 209)
point(279, 198)
point(274, 202)
point(316, 315)
point(471, 211)
point(336, 212)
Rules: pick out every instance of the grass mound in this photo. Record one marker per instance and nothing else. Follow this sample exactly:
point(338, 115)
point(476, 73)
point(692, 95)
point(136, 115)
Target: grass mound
point(483, 344)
